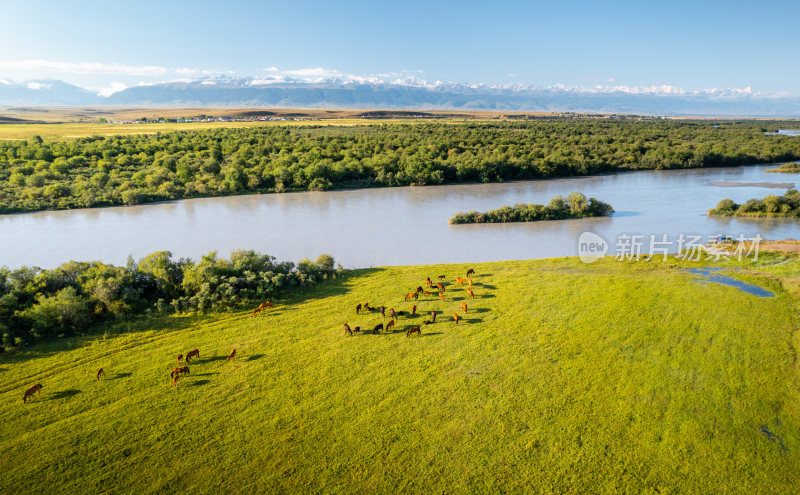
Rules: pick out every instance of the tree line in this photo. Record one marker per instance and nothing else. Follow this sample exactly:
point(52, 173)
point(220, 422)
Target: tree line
point(576, 205)
point(38, 305)
point(787, 205)
point(133, 169)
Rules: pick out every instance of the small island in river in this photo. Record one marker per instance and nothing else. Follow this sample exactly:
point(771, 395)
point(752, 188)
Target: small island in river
point(786, 168)
point(576, 205)
point(787, 205)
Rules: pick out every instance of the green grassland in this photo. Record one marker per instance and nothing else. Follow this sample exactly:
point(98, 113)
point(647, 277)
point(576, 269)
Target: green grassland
point(563, 377)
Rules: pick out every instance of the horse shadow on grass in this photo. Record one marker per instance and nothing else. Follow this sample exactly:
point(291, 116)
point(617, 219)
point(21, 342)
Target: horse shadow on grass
point(198, 383)
point(479, 310)
point(214, 358)
point(254, 357)
point(118, 376)
point(207, 373)
point(473, 320)
point(431, 334)
point(64, 394)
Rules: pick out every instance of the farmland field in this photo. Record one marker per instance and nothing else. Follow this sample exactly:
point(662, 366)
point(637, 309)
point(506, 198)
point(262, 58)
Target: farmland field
point(561, 377)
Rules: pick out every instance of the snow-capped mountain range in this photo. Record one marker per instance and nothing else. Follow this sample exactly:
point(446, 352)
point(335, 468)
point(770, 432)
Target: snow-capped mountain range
point(407, 93)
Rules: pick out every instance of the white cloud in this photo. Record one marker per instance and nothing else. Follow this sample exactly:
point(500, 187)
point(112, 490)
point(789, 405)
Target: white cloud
point(114, 87)
point(38, 85)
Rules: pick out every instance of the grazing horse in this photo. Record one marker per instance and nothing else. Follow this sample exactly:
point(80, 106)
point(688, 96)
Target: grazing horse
point(470, 272)
point(178, 371)
point(392, 313)
point(29, 393)
point(383, 311)
point(99, 372)
point(191, 354)
point(390, 325)
point(420, 290)
point(455, 317)
point(347, 330)
point(232, 355)
point(409, 296)
point(175, 381)
point(356, 329)
point(366, 307)
point(441, 287)
point(464, 307)
point(358, 308)
point(180, 356)
point(429, 293)
point(441, 296)
point(433, 313)
point(377, 328)
point(427, 322)
point(414, 309)
point(470, 282)
point(442, 277)
point(414, 329)
point(471, 294)
point(261, 307)
point(428, 281)
point(460, 281)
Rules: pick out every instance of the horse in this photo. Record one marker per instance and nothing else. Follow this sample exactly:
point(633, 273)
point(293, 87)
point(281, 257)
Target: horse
point(470, 272)
point(383, 311)
point(262, 306)
point(441, 296)
point(420, 290)
point(455, 317)
point(471, 294)
point(433, 314)
point(180, 356)
point(191, 354)
point(392, 313)
point(414, 309)
point(356, 329)
point(390, 325)
point(175, 381)
point(464, 307)
point(99, 372)
point(29, 393)
point(409, 296)
point(441, 287)
point(358, 308)
point(460, 281)
point(442, 277)
point(414, 329)
point(366, 307)
point(232, 355)
point(347, 330)
point(428, 281)
point(377, 328)
point(178, 371)
point(470, 282)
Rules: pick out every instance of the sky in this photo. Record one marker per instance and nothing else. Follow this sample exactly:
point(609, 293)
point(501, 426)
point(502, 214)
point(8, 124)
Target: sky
point(693, 46)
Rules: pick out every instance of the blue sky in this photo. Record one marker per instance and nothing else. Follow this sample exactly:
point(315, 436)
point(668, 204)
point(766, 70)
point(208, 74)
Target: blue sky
point(690, 45)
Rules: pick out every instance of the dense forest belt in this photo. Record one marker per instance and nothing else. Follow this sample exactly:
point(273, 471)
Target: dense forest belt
point(787, 205)
point(98, 171)
point(576, 205)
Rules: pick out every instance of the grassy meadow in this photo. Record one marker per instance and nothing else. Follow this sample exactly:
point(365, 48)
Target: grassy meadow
point(562, 377)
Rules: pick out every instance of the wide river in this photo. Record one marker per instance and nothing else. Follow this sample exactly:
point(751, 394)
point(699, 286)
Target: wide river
point(396, 226)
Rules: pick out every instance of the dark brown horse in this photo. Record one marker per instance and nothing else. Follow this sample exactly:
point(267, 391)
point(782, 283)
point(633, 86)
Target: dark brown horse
point(358, 308)
point(470, 272)
point(232, 355)
point(442, 277)
point(377, 328)
point(191, 354)
point(392, 313)
point(99, 372)
point(390, 325)
point(383, 311)
point(414, 329)
point(420, 290)
point(29, 393)
point(180, 356)
point(433, 314)
point(347, 330)
point(178, 371)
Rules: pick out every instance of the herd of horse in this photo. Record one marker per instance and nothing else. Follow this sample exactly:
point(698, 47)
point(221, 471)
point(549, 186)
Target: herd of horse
point(393, 315)
point(183, 370)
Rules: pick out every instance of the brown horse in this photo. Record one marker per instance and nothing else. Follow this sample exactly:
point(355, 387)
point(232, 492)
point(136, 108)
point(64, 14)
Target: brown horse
point(377, 328)
point(180, 356)
point(232, 355)
point(471, 294)
point(442, 277)
point(383, 311)
point(455, 317)
point(460, 281)
point(175, 381)
point(366, 307)
point(358, 308)
point(409, 296)
point(470, 282)
point(464, 307)
point(441, 296)
point(261, 307)
point(29, 393)
point(470, 272)
point(177, 371)
point(347, 330)
point(414, 329)
point(441, 287)
point(428, 281)
point(414, 309)
point(191, 354)
point(420, 290)
point(390, 325)
point(433, 314)
point(392, 313)
point(99, 372)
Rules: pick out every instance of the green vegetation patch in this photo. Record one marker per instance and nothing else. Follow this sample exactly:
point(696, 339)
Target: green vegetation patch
point(787, 205)
point(786, 168)
point(562, 377)
point(576, 205)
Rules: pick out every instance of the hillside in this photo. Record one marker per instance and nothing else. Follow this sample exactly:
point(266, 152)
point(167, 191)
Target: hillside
point(562, 377)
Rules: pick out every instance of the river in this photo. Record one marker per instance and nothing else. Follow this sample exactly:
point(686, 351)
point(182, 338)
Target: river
point(396, 226)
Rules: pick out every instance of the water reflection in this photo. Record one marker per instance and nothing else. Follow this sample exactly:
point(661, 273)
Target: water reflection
point(408, 225)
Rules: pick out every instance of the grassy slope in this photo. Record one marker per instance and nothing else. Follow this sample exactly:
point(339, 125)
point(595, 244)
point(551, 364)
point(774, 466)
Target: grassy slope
point(565, 376)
